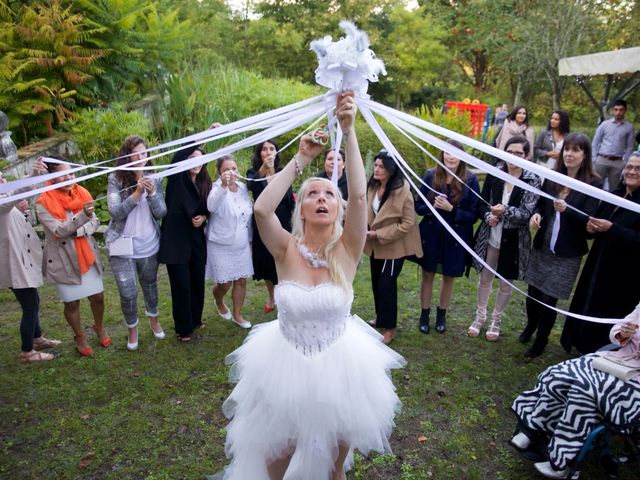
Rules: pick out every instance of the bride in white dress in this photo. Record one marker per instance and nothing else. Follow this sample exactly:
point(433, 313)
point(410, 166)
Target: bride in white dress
point(314, 385)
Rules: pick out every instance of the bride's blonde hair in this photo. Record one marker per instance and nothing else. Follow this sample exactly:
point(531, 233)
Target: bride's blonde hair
point(335, 270)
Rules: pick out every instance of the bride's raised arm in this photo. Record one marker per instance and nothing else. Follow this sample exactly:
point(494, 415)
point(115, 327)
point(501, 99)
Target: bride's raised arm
point(355, 225)
point(276, 238)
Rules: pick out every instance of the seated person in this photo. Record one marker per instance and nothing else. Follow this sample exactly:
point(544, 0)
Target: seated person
point(572, 398)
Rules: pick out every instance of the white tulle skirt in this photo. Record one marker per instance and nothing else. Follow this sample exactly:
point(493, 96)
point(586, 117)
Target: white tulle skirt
point(286, 403)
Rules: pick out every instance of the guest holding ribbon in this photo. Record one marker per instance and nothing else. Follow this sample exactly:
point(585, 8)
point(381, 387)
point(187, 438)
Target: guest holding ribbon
point(503, 238)
point(573, 397)
point(457, 204)
point(264, 164)
point(516, 124)
point(21, 271)
point(136, 205)
point(549, 142)
point(71, 259)
point(183, 244)
point(392, 235)
point(560, 242)
point(329, 162)
point(229, 239)
point(604, 288)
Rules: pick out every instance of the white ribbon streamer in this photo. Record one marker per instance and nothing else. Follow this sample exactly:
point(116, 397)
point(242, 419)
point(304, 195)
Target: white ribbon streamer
point(366, 113)
point(539, 170)
point(297, 118)
point(251, 123)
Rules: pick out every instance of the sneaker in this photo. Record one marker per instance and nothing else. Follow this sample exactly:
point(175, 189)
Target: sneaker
point(548, 471)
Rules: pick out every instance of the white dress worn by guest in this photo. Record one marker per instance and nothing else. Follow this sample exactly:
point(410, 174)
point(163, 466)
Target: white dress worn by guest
point(229, 233)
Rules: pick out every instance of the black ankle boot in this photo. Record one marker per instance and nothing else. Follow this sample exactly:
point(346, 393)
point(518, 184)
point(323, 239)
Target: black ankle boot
point(536, 349)
point(424, 320)
point(441, 320)
point(526, 334)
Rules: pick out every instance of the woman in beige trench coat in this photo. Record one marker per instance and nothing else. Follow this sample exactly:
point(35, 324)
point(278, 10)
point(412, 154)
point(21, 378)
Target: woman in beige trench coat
point(21, 271)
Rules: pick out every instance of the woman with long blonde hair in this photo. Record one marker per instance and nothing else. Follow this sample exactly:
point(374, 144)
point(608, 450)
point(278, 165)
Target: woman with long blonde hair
point(312, 385)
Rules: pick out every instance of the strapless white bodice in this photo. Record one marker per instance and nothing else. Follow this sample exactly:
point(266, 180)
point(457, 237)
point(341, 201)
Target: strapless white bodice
point(312, 318)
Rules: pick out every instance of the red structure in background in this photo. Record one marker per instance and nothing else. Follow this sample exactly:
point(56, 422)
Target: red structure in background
point(479, 115)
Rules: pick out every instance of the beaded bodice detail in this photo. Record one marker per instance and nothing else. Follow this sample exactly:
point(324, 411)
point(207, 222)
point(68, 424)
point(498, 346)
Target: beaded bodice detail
point(312, 318)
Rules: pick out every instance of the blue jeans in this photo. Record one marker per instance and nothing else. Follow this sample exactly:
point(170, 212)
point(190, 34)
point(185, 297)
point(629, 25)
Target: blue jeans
point(124, 270)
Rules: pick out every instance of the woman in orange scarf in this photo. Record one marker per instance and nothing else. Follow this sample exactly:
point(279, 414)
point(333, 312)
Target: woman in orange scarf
point(70, 254)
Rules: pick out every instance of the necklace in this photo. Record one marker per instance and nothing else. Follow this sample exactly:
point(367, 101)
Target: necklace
point(313, 259)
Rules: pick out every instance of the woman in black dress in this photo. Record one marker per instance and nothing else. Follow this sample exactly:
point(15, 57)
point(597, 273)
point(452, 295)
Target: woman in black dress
point(265, 162)
point(183, 246)
point(555, 259)
point(605, 288)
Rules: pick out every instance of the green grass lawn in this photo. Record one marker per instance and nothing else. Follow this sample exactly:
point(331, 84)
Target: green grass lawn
point(156, 413)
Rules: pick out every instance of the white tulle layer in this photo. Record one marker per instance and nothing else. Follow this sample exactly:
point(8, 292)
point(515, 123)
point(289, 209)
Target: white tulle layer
point(288, 403)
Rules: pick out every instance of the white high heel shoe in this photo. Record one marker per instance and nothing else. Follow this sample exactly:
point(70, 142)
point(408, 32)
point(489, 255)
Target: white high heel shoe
point(132, 346)
point(159, 335)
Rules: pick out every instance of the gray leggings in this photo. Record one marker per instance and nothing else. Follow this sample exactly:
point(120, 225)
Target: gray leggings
point(124, 270)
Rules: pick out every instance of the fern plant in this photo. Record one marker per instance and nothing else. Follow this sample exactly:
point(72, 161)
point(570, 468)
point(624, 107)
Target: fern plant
point(45, 58)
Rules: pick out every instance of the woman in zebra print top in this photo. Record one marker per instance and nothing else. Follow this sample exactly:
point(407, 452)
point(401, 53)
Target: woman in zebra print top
point(572, 398)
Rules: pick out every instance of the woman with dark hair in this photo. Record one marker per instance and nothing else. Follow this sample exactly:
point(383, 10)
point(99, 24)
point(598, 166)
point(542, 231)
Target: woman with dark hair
point(604, 288)
point(516, 124)
point(561, 240)
point(457, 205)
point(229, 239)
point(392, 235)
point(71, 258)
point(183, 245)
point(265, 163)
point(549, 142)
point(503, 239)
point(21, 271)
point(329, 157)
point(136, 205)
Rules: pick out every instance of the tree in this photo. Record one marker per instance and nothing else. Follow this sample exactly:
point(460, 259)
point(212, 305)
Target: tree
point(308, 20)
point(413, 52)
point(46, 57)
point(479, 30)
point(145, 41)
point(555, 29)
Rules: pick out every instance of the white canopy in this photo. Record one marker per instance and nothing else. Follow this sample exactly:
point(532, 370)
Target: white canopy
point(626, 60)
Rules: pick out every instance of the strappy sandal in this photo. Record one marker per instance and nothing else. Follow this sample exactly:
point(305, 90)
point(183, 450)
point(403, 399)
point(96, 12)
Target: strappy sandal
point(104, 340)
point(183, 338)
point(35, 357)
point(493, 332)
point(42, 343)
point(474, 328)
point(85, 352)
point(266, 308)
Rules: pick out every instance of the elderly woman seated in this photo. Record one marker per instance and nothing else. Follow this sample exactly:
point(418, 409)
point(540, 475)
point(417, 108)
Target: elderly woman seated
point(573, 397)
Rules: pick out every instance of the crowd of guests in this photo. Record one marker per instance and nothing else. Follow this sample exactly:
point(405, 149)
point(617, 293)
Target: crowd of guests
point(204, 229)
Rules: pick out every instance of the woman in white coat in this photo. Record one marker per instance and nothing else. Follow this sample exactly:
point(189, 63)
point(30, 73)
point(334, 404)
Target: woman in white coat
point(21, 271)
point(229, 234)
